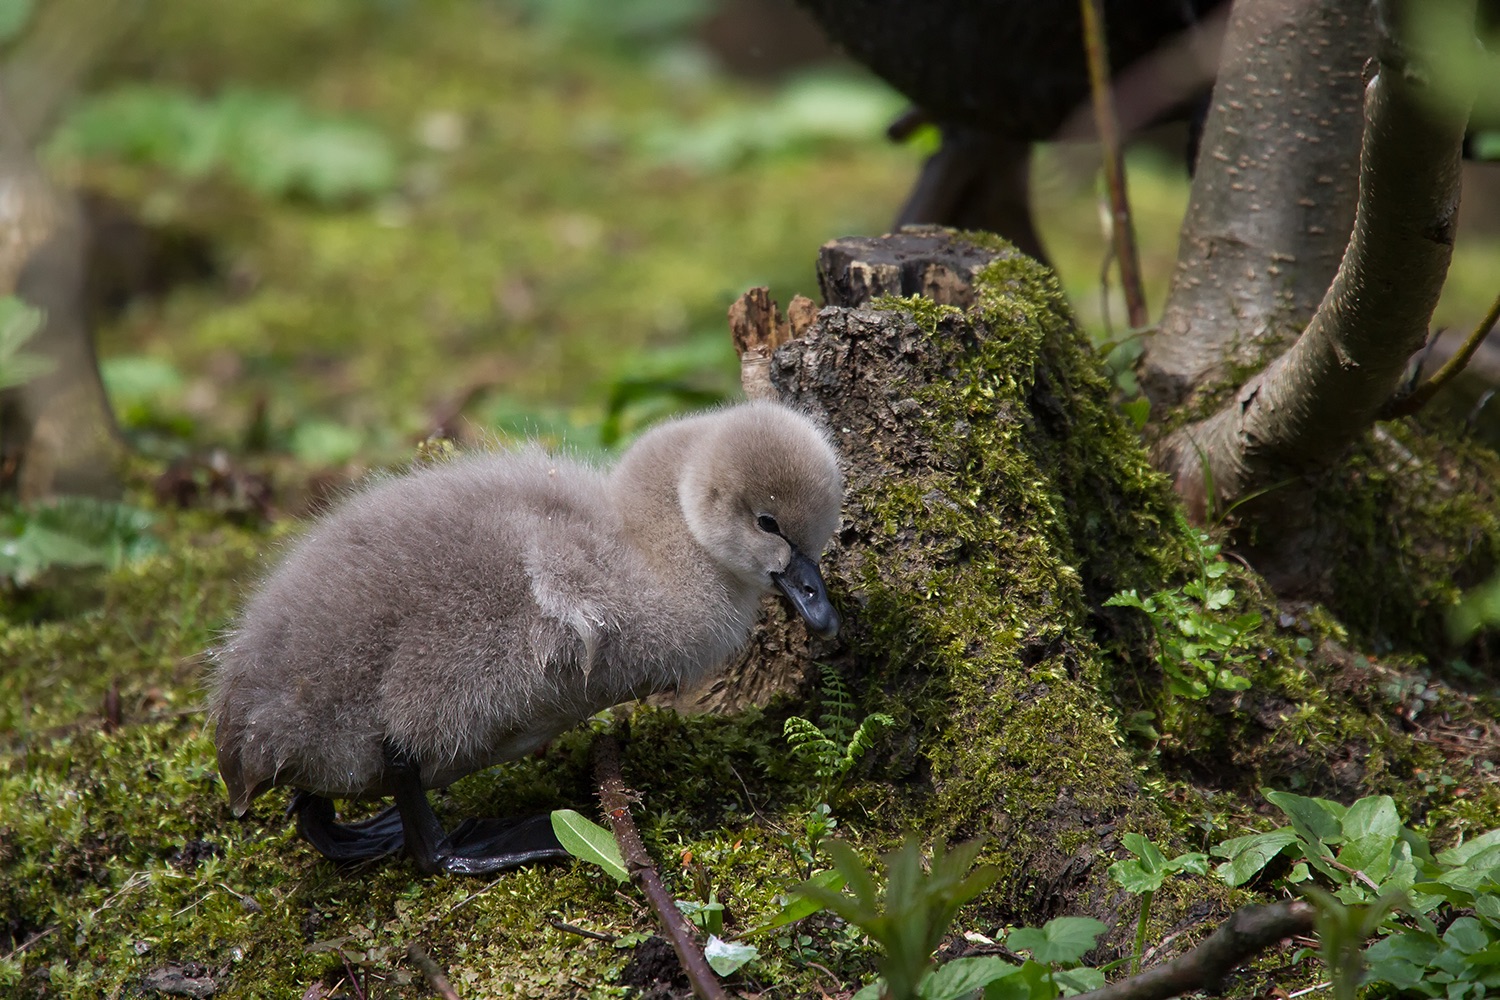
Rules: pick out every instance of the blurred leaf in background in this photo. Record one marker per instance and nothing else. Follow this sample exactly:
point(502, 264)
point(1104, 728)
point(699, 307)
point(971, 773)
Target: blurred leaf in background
point(71, 532)
point(14, 16)
point(809, 112)
point(266, 141)
point(631, 22)
point(18, 321)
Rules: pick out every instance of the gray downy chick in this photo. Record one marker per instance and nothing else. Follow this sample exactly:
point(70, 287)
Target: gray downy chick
point(443, 621)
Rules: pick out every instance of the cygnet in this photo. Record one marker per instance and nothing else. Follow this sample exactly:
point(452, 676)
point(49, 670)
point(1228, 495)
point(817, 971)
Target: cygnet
point(439, 622)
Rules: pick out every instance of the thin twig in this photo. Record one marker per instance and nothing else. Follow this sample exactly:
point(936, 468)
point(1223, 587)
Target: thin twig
point(1422, 394)
point(1354, 872)
point(436, 978)
point(1311, 989)
point(27, 943)
point(616, 802)
point(583, 932)
point(1122, 229)
point(1247, 932)
point(359, 991)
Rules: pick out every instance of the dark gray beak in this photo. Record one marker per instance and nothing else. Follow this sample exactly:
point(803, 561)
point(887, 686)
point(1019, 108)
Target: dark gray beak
point(803, 585)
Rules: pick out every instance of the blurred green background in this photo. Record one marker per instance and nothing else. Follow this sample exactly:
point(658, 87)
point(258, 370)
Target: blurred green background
point(378, 219)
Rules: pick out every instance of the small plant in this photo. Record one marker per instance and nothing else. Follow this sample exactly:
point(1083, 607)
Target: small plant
point(1197, 646)
point(1143, 875)
point(837, 743)
point(1404, 892)
point(71, 533)
point(909, 919)
point(832, 747)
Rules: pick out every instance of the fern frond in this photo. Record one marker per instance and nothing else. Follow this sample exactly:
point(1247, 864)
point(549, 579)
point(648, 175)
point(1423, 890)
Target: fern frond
point(838, 706)
point(864, 738)
point(809, 743)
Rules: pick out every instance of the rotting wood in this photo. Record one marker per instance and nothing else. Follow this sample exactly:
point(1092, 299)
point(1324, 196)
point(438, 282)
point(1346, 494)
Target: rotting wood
point(758, 329)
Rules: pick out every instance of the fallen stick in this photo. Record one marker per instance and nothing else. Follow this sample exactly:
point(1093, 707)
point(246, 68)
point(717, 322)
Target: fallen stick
point(615, 799)
point(1246, 933)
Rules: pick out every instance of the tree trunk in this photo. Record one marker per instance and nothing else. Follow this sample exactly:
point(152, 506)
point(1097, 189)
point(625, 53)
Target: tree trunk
point(57, 431)
point(1304, 409)
point(1283, 131)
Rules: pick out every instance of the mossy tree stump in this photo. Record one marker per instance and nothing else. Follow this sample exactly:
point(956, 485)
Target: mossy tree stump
point(994, 498)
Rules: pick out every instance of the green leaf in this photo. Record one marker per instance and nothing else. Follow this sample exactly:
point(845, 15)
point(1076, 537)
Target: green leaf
point(1316, 819)
point(73, 532)
point(1401, 959)
point(588, 841)
point(1370, 855)
point(963, 976)
point(1248, 855)
point(1075, 981)
point(1033, 981)
point(1373, 816)
point(323, 442)
point(1488, 907)
point(1065, 939)
point(1467, 851)
point(1466, 935)
point(1132, 876)
point(725, 957)
point(799, 907)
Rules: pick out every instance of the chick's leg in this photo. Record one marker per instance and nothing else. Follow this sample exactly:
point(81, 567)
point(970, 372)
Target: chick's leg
point(476, 846)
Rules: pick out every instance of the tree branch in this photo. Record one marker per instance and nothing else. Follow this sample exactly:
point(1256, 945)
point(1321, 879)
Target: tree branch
point(1422, 394)
point(1308, 405)
point(1246, 933)
point(1121, 228)
point(615, 799)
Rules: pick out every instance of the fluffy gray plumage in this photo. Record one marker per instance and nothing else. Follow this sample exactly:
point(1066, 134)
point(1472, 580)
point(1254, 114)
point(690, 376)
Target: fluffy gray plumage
point(468, 612)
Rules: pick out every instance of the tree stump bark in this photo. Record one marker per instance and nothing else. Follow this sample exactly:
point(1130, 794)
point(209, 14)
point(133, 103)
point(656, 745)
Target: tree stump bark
point(993, 498)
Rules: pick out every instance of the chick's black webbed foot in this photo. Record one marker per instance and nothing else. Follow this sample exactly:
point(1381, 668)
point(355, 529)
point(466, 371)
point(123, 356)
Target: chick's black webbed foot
point(346, 843)
point(483, 846)
point(476, 846)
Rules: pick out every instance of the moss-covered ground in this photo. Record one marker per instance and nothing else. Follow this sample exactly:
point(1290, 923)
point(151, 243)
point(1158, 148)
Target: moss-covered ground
point(574, 214)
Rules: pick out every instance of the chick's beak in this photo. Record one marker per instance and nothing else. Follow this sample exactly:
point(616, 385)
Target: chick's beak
point(803, 585)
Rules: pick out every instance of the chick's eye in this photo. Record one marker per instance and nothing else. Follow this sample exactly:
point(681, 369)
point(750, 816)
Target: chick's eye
point(768, 524)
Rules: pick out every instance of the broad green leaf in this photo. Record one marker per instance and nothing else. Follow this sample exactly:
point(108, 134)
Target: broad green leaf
point(1463, 853)
point(1075, 981)
point(1488, 906)
point(1033, 981)
point(725, 957)
point(1401, 959)
point(1316, 819)
point(1248, 855)
point(1374, 816)
point(588, 841)
point(1065, 939)
point(1132, 876)
point(1466, 935)
point(963, 976)
point(1369, 854)
point(1152, 859)
point(1469, 849)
